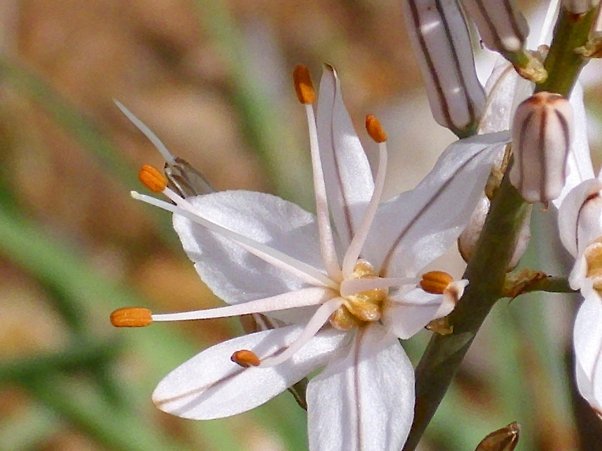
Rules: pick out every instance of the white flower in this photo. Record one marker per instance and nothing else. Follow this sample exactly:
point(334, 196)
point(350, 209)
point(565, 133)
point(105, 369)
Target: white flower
point(580, 225)
point(341, 293)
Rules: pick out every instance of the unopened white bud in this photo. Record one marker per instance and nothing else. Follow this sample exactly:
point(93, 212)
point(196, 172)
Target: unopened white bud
point(442, 45)
point(541, 138)
point(501, 26)
point(467, 242)
point(579, 6)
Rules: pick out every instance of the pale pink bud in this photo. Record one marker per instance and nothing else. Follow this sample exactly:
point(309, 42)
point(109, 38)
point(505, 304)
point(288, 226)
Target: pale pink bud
point(442, 45)
point(541, 138)
point(579, 6)
point(501, 26)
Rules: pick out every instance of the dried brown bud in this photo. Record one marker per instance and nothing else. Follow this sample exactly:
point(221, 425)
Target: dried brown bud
point(504, 439)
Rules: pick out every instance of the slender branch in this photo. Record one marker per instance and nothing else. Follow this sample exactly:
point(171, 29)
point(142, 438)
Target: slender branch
point(530, 281)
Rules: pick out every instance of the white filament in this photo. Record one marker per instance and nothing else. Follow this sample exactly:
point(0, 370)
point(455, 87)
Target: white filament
point(327, 247)
point(356, 245)
point(311, 329)
point(146, 131)
point(270, 255)
point(293, 299)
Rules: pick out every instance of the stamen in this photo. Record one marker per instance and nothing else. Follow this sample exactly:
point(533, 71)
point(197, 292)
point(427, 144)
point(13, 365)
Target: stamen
point(313, 326)
point(300, 298)
point(146, 131)
point(152, 178)
point(275, 257)
point(327, 247)
point(350, 287)
point(375, 129)
point(131, 317)
point(355, 247)
point(245, 358)
point(303, 85)
point(435, 282)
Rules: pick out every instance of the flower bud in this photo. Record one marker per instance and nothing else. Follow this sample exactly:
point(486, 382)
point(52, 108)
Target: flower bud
point(501, 26)
point(504, 439)
point(541, 138)
point(579, 6)
point(442, 45)
point(467, 241)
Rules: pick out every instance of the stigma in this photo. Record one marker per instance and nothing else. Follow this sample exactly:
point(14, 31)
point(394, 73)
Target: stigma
point(361, 307)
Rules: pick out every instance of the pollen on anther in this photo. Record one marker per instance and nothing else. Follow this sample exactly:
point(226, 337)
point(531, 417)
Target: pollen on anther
point(303, 85)
point(375, 129)
point(245, 358)
point(131, 317)
point(435, 282)
point(152, 178)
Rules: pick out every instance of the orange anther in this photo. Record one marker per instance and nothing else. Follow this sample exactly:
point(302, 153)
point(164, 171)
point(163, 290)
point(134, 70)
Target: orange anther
point(152, 178)
point(435, 282)
point(303, 85)
point(131, 317)
point(375, 129)
point(245, 358)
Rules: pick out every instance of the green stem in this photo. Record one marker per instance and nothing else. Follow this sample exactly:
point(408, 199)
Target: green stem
point(563, 63)
point(486, 273)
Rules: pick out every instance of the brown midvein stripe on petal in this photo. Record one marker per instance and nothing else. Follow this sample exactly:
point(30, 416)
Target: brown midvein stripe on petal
point(411, 224)
point(490, 25)
point(337, 169)
point(430, 64)
point(457, 65)
point(511, 14)
point(543, 157)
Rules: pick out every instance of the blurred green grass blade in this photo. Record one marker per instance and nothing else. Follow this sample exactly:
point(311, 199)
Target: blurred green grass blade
point(110, 427)
point(70, 118)
point(162, 348)
point(83, 129)
point(286, 165)
point(28, 428)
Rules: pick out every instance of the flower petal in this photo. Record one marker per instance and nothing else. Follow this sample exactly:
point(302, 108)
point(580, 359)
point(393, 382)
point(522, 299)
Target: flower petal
point(365, 399)
point(419, 225)
point(408, 313)
point(211, 386)
point(505, 90)
point(587, 336)
point(579, 162)
point(579, 221)
point(230, 271)
point(347, 173)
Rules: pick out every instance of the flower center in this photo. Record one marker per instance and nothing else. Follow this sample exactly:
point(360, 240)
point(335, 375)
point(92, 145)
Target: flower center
point(361, 307)
point(593, 257)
